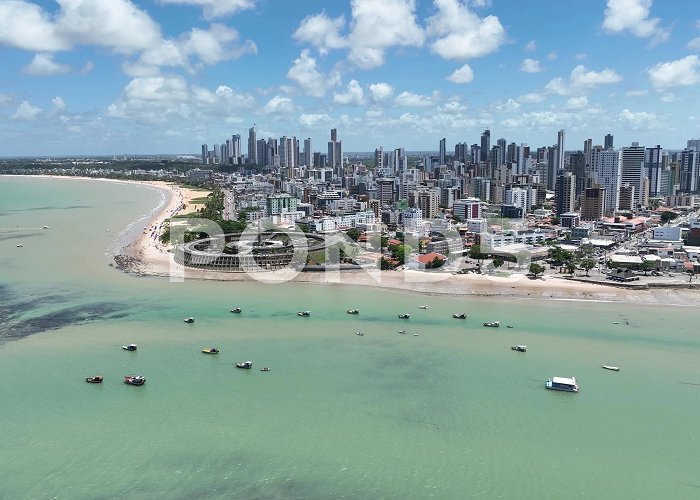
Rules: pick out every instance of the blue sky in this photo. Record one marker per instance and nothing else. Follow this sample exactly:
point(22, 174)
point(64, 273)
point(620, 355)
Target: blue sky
point(165, 76)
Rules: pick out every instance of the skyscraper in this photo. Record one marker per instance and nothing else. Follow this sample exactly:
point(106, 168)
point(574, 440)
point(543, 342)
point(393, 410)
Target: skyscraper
point(606, 172)
point(608, 141)
point(485, 145)
point(690, 171)
point(443, 151)
point(308, 153)
point(579, 168)
point(632, 164)
point(205, 153)
point(335, 153)
point(560, 150)
point(379, 158)
point(653, 158)
point(235, 152)
point(552, 167)
point(593, 204)
point(252, 146)
point(565, 192)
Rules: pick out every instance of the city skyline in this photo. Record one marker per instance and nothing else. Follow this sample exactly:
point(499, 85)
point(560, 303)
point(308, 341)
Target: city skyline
point(120, 76)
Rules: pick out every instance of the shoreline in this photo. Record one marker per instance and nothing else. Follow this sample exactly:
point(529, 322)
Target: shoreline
point(146, 256)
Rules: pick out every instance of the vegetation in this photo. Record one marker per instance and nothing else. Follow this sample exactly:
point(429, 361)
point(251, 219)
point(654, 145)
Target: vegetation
point(435, 263)
point(647, 266)
point(498, 262)
point(536, 269)
point(353, 234)
point(587, 265)
point(667, 217)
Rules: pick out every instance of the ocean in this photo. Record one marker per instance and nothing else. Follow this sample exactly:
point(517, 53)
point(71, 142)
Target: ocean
point(450, 413)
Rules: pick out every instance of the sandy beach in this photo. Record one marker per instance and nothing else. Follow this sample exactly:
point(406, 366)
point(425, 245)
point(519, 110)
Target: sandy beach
point(147, 256)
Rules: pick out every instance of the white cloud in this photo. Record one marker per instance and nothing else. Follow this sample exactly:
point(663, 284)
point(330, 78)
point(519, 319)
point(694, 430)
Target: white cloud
point(637, 120)
point(530, 66)
point(636, 93)
point(44, 65)
point(462, 34)
point(26, 26)
point(377, 26)
point(533, 97)
point(216, 8)
point(311, 120)
point(322, 32)
point(675, 73)
point(509, 106)
point(465, 74)
point(280, 105)
point(5, 99)
point(531, 46)
point(669, 97)
point(353, 95)
point(381, 91)
point(577, 103)
point(633, 16)
point(304, 73)
point(580, 80)
point(409, 99)
point(26, 112)
point(58, 103)
point(552, 56)
point(694, 44)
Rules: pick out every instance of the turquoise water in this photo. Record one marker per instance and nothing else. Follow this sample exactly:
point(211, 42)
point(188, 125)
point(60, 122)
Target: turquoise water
point(451, 413)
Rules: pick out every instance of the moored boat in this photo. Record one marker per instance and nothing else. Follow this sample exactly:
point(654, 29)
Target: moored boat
point(265, 369)
point(360, 334)
point(612, 368)
point(97, 379)
point(562, 384)
point(304, 314)
point(519, 348)
point(210, 350)
point(353, 311)
point(247, 365)
point(422, 307)
point(404, 316)
point(236, 310)
point(130, 347)
point(459, 316)
point(189, 320)
point(135, 379)
point(402, 331)
point(493, 324)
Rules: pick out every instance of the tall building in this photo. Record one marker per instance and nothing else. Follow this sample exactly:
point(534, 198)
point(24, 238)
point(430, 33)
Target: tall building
point(689, 171)
point(560, 150)
point(379, 158)
point(385, 191)
point(428, 203)
point(593, 204)
point(461, 152)
point(503, 145)
point(627, 197)
point(653, 158)
point(308, 153)
point(335, 153)
point(608, 142)
point(252, 146)
point(565, 192)
point(485, 145)
point(552, 167)
point(606, 173)
point(235, 152)
point(205, 153)
point(521, 197)
point(693, 144)
point(476, 153)
point(577, 161)
point(261, 148)
point(632, 162)
point(443, 152)
point(468, 208)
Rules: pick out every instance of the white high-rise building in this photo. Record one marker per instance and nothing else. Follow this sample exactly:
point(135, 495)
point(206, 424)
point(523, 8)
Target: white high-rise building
point(308, 153)
point(606, 172)
point(252, 146)
point(560, 149)
point(632, 166)
point(235, 152)
point(521, 197)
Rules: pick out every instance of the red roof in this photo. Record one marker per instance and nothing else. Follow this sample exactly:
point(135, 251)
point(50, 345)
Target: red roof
point(429, 257)
point(394, 242)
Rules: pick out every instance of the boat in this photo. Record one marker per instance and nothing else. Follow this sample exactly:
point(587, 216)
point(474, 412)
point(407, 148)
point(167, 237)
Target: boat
point(562, 384)
point(519, 348)
point(130, 347)
point(416, 334)
point(45, 227)
point(245, 364)
point(509, 326)
point(459, 316)
point(20, 246)
point(97, 379)
point(402, 331)
point(360, 334)
point(189, 320)
point(612, 368)
point(210, 350)
point(236, 310)
point(493, 324)
point(422, 307)
point(353, 311)
point(304, 314)
point(404, 316)
point(135, 379)
point(266, 369)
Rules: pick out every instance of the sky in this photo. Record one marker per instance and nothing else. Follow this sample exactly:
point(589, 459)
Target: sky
point(165, 76)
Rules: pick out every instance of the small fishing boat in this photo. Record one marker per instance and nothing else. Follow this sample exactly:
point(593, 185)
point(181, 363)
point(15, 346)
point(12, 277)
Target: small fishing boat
point(509, 326)
point(402, 331)
point(612, 368)
point(266, 369)
point(45, 227)
point(360, 334)
point(20, 246)
point(97, 379)
point(459, 316)
point(416, 334)
point(129, 347)
point(493, 324)
point(519, 348)
point(189, 320)
point(304, 314)
point(246, 365)
point(422, 307)
point(135, 379)
point(404, 316)
point(353, 311)
point(236, 310)
point(210, 350)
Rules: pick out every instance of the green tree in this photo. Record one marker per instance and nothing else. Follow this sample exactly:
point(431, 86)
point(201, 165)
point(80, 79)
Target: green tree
point(536, 269)
point(647, 266)
point(498, 262)
point(570, 267)
point(668, 216)
point(587, 265)
point(353, 234)
point(435, 263)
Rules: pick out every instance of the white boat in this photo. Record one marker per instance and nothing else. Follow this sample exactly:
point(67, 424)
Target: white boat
point(562, 384)
point(402, 331)
point(422, 307)
point(493, 324)
point(612, 368)
point(459, 316)
point(20, 246)
point(304, 314)
point(189, 320)
point(360, 334)
point(404, 316)
point(45, 227)
point(519, 348)
point(130, 347)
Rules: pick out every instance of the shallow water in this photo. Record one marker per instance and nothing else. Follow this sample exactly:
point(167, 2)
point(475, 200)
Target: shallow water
point(451, 413)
